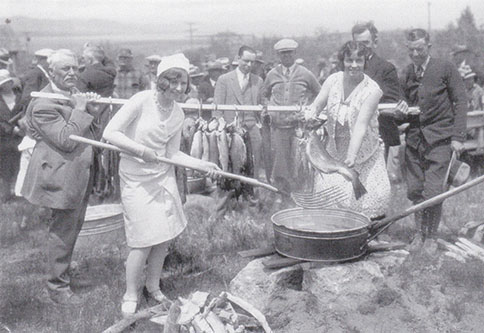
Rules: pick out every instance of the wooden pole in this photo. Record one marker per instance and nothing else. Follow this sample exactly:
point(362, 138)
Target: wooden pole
point(248, 180)
point(385, 108)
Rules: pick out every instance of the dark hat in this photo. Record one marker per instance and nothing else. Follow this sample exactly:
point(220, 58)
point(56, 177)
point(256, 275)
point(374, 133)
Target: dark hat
point(457, 173)
point(459, 49)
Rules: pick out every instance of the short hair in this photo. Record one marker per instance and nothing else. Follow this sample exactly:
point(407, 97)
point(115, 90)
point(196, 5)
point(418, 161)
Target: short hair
point(245, 48)
point(95, 52)
point(59, 55)
point(350, 47)
point(163, 81)
point(416, 34)
point(360, 28)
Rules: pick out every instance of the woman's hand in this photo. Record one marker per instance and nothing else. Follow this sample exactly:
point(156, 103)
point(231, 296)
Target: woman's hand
point(211, 168)
point(149, 155)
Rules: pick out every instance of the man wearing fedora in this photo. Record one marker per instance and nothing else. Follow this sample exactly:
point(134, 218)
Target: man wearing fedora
point(438, 130)
point(150, 76)
point(287, 84)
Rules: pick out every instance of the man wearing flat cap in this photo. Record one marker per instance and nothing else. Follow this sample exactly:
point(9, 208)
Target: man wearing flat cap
point(128, 80)
point(150, 76)
point(206, 89)
point(58, 175)
point(287, 84)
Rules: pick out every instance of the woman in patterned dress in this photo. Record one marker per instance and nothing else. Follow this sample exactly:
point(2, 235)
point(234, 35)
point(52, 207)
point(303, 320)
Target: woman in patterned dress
point(147, 126)
point(350, 101)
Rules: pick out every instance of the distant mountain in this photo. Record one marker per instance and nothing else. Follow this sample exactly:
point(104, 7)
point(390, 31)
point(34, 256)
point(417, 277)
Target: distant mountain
point(73, 27)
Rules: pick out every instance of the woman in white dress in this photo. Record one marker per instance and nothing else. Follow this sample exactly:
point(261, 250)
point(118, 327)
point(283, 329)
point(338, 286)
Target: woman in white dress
point(147, 126)
point(350, 101)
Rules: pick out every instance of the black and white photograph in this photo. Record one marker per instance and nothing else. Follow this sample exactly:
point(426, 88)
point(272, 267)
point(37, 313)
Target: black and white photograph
point(225, 166)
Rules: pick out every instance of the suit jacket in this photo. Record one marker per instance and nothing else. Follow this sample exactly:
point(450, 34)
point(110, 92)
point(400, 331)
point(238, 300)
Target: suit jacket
point(58, 172)
point(441, 97)
point(227, 91)
point(206, 91)
point(385, 74)
point(33, 80)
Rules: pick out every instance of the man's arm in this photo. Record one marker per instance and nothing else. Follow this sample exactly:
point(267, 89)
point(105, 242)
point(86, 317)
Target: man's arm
point(220, 93)
point(391, 85)
point(56, 130)
point(313, 87)
point(457, 95)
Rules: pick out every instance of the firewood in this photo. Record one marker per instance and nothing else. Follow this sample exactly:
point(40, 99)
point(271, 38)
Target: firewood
point(473, 246)
point(171, 325)
point(455, 256)
point(250, 309)
point(452, 248)
point(121, 325)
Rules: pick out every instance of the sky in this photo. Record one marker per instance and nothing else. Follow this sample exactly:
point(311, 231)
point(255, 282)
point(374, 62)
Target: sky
point(259, 17)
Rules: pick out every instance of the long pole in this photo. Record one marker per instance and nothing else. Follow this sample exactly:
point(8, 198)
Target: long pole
point(384, 107)
point(248, 180)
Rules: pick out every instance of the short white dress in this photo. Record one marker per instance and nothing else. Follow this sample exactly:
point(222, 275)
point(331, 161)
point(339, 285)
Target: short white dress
point(152, 206)
point(370, 162)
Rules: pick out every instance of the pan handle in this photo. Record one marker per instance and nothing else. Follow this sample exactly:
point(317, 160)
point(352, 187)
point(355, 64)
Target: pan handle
point(377, 227)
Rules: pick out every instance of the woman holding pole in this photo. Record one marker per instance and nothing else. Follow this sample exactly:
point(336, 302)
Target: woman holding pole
point(149, 125)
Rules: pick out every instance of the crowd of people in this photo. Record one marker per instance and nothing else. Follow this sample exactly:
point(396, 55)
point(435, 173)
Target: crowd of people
point(58, 173)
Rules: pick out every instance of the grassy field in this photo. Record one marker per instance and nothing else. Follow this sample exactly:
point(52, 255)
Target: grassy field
point(203, 258)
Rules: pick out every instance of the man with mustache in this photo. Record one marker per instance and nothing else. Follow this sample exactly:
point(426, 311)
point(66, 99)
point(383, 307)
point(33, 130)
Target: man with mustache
point(59, 175)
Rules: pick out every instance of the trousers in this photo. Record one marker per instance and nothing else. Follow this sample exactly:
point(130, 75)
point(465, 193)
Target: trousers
point(64, 227)
point(426, 168)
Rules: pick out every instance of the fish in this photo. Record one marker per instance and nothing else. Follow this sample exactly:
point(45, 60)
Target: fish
point(213, 147)
point(322, 161)
point(196, 149)
point(238, 153)
point(205, 146)
point(223, 149)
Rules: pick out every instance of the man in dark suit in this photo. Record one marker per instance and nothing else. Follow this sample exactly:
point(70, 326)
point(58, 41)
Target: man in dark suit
point(435, 86)
point(385, 74)
point(58, 175)
point(241, 87)
point(36, 78)
point(206, 89)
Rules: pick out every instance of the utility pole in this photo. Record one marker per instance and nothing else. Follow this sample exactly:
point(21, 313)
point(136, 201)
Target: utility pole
point(190, 31)
point(428, 17)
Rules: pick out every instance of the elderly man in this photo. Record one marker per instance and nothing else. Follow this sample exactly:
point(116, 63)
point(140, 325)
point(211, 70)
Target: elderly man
point(241, 87)
point(435, 86)
point(287, 84)
point(58, 175)
point(129, 80)
point(385, 74)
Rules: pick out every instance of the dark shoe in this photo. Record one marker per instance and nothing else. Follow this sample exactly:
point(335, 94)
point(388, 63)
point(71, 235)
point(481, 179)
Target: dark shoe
point(65, 297)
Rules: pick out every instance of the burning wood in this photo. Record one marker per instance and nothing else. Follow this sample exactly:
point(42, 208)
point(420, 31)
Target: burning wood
point(222, 314)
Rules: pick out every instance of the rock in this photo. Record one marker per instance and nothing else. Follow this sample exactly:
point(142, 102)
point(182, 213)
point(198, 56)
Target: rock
point(256, 284)
point(344, 286)
point(389, 260)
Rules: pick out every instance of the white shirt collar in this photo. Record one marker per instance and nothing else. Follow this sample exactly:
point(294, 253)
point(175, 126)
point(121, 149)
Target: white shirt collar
point(424, 65)
point(241, 76)
point(285, 69)
point(212, 82)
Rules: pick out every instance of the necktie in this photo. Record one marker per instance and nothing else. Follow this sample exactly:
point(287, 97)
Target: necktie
point(419, 73)
point(245, 82)
point(287, 71)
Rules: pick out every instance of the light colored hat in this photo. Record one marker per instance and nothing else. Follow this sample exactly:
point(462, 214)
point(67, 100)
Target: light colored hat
point(214, 65)
point(286, 45)
point(457, 173)
point(4, 76)
point(44, 53)
point(5, 56)
point(177, 60)
point(235, 62)
point(259, 56)
point(154, 57)
point(195, 71)
point(299, 61)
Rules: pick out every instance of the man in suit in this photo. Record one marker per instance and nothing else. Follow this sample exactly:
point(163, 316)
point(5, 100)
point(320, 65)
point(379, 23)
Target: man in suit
point(435, 86)
point(58, 175)
point(241, 87)
point(36, 78)
point(206, 89)
point(287, 84)
point(385, 74)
